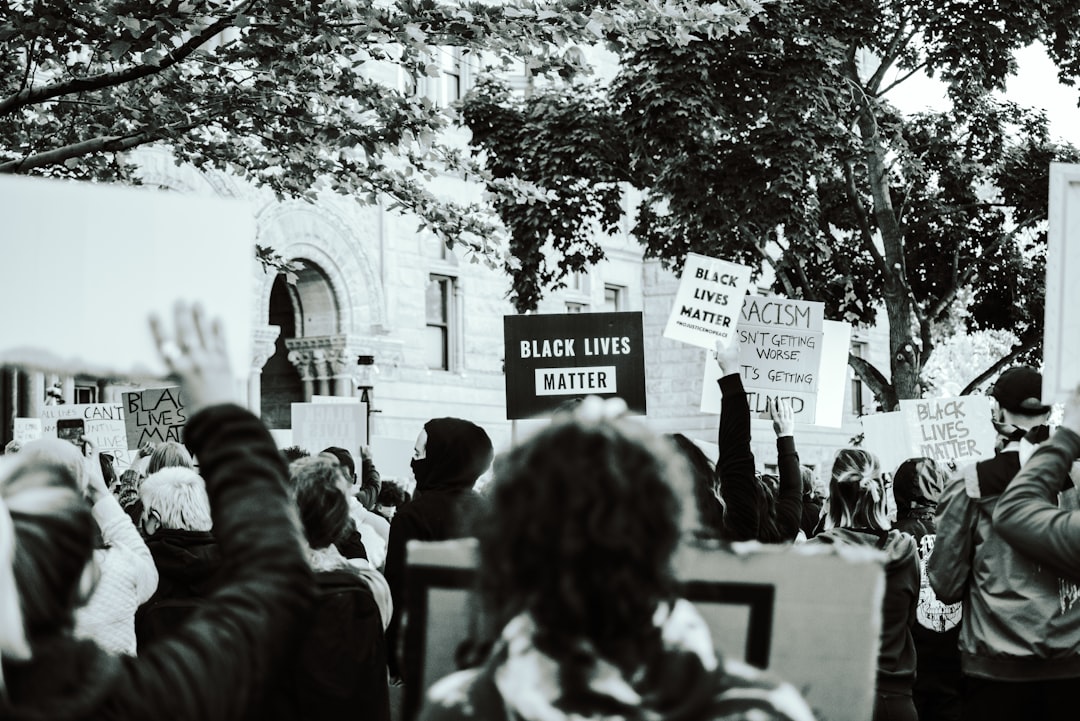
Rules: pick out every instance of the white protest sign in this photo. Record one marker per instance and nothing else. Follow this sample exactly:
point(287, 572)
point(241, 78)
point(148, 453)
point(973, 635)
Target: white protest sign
point(316, 426)
point(945, 429)
point(98, 259)
point(26, 429)
point(102, 423)
point(833, 374)
point(950, 429)
point(886, 435)
point(334, 399)
point(708, 301)
point(777, 363)
point(1061, 327)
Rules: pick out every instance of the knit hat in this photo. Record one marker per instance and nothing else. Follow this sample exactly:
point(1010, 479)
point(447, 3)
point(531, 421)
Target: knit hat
point(1018, 390)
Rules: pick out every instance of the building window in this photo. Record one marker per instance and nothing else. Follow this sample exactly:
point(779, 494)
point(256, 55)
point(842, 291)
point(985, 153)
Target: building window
point(578, 282)
point(858, 349)
point(450, 84)
point(614, 298)
point(577, 308)
point(86, 394)
point(438, 343)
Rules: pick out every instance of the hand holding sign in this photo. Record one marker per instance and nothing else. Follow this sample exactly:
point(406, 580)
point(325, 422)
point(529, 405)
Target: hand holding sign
point(783, 418)
point(1071, 420)
point(727, 357)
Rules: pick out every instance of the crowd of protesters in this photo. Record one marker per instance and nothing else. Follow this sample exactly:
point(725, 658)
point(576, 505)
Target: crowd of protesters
point(225, 579)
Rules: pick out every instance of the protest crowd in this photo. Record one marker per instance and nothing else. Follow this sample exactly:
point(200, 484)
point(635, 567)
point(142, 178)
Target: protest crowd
point(225, 578)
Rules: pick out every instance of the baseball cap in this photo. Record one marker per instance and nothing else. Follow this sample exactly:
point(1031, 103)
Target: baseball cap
point(1019, 389)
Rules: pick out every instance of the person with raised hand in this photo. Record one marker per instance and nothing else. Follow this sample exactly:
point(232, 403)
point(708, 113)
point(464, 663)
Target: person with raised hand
point(216, 665)
point(1028, 515)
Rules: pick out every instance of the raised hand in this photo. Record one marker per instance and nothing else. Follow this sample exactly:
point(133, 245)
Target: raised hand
point(195, 352)
point(783, 418)
point(727, 358)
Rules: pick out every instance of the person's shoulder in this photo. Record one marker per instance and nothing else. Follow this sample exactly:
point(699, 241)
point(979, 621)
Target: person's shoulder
point(748, 692)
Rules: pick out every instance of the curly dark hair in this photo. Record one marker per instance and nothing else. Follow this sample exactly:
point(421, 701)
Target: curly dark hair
point(581, 529)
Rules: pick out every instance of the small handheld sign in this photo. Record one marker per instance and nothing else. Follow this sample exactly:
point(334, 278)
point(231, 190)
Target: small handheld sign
point(707, 303)
point(551, 359)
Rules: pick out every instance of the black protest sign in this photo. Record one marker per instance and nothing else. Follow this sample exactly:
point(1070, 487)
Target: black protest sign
point(154, 415)
point(551, 359)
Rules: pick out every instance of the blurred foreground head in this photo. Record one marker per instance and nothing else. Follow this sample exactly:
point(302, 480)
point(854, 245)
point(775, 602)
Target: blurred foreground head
point(47, 537)
point(583, 523)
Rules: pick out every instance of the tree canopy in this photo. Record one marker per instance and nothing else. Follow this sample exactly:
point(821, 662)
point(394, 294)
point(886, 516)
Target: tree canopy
point(290, 95)
point(779, 148)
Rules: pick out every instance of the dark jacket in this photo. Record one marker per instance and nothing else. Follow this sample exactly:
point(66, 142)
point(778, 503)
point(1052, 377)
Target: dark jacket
point(748, 515)
point(937, 625)
point(189, 564)
point(216, 665)
point(443, 505)
point(338, 661)
point(1028, 516)
point(896, 656)
point(1021, 620)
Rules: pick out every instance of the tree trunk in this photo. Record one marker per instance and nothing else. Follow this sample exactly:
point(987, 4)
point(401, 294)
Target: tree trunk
point(905, 356)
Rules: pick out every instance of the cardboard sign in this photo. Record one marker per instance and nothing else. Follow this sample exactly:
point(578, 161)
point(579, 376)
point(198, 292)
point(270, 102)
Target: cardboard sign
point(102, 423)
point(1061, 327)
point(780, 351)
point(67, 246)
point(316, 426)
point(551, 359)
point(945, 429)
point(707, 303)
point(825, 407)
point(154, 415)
point(950, 429)
point(26, 429)
point(824, 608)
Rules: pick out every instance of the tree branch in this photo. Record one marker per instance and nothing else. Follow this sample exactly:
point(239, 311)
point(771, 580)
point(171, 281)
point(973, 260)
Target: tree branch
point(969, 272)
point(1019, 349)
point(865, 231)
point(888, 58)
point(900, 80)
point(108, 144)
point(879, 385)
point(31, 96)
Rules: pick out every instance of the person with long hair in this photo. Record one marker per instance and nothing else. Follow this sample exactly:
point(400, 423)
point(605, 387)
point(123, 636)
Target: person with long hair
point(216, 665)
point(858, 515)
point(576, 575)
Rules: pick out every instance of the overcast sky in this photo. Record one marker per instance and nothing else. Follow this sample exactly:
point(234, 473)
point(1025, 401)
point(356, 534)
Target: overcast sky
point(1035, 85)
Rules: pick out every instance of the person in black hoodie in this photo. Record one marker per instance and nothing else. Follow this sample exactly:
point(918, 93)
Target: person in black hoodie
point(214, 666)
point(858, 516)
point(450, 455)
point(917, 484)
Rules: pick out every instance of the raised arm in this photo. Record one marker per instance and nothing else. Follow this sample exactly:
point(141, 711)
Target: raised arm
point(217, 663)
point(735, 464)
point(1027, 514)
point(789, 500)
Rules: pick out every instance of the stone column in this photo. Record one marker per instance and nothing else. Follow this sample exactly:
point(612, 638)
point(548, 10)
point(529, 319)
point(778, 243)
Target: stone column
point(263, 348)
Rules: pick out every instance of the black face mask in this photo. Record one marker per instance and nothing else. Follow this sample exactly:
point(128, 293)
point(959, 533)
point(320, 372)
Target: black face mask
point(421, 468)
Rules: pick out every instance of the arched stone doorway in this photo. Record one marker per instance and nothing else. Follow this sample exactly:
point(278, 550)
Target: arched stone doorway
point(309, 350)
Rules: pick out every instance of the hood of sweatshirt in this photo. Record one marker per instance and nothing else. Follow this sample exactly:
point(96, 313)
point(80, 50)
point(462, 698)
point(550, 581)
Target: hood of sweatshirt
point(190, 559)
